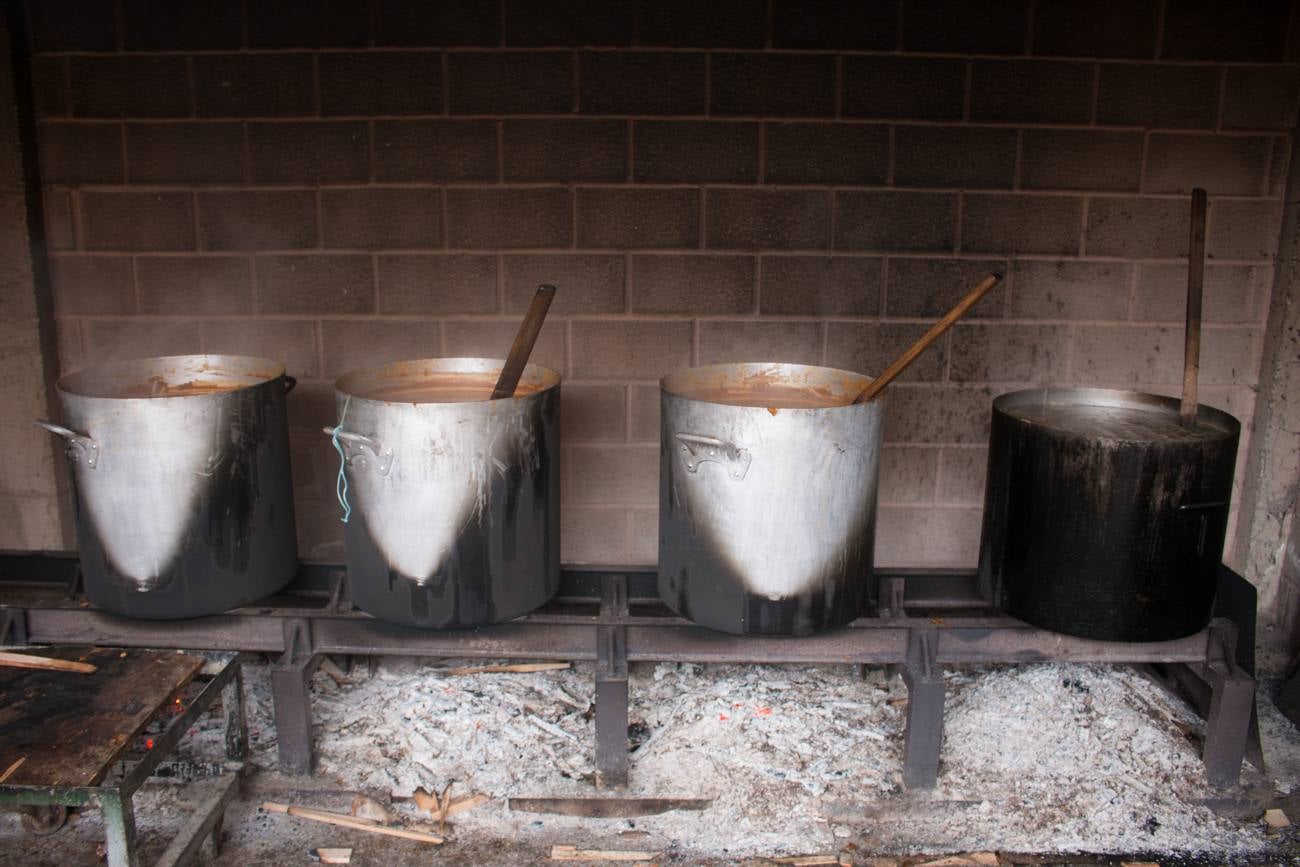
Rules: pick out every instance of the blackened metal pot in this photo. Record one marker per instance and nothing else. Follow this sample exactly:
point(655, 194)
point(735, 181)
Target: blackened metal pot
point(181, 474)
point(454, 498)
point(767, 497)
point(1104, 517)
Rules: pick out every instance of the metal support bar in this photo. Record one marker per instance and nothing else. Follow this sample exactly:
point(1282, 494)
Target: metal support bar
point(290, 679)
point(611, 684)
point(13, 626)
point(119, 827)
point(232, 708)
point(206, 822)
point(925, 696)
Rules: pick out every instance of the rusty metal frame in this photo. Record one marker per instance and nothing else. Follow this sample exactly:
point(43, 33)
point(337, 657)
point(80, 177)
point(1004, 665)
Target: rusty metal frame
point(611, 617)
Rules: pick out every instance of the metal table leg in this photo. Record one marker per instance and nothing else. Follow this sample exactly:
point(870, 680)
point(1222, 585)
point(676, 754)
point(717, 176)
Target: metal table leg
point(119, 827)
point(611, 684)
point(290, 678)
point(925, 696)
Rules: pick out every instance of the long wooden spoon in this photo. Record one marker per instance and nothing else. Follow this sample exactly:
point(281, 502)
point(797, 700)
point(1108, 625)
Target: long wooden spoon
point(900, 364)
point(524, 340)
point(1192, 339)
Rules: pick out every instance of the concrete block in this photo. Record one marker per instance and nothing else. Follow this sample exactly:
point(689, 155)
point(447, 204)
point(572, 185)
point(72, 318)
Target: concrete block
point(643, 537)
point(1031, 91)
point(22, 381)
point(1158, 95)
point(1243, 230)
point(842, 24)
point(510, 82)
point(1096, 28)
point(1119, 355)
point(927, 536)
point(190, 285)
point(945, 156)
point(257, 220)
point(185, 153)
point(352, 344)
point(1061, 159)
point(870, 347)
point(575, 22)
point(80, 153)
point(625, 475)
point(33, 475)
point(693, 285)
point(821, 285)
point(315, 284)
point(310, 407)
point(122, 339)
point(288, 341)
point(377, 218)
point(319, 152)
point(1261, 97)
point(586, 283)
point(953, 26)
point(320, 530)
point(795, 341)
point(895, 221)
point(1069, 290)
point(1255, 31)
point(1224, 165)
point(491, 338)
point(150, 25)
point(638, 218)
point(767, 219)
point(1228, 356)
point(642, 82)
point(71, 353)
point(130, 86)
point(309, 24)
point(435, 150)
point(50, 92)
point(687, 24)
point(137, 221)
point(827, 153)
point(510, 218)
point(254, 85)
point(1231, 293)
point(92, 284)
point(593, 535)
point(695, 151)
point(380, 82)
point(564, 150)
point(889, 86)
point(60, 233)
point(772, 84)
point(996, 352)
point(929, 413)
point(452, 22)
point(962, 472)
point(1137, 227)
point(33, 524)
point(594, 413)
point(454, 283)
point(928, 288)
point(73, 25)
point(907, 474)
point(644, 349)
point(643, 413)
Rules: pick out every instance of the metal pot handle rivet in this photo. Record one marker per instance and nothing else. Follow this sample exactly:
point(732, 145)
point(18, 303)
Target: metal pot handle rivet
point(356, 445)
point(79, 445)
point(701, 449)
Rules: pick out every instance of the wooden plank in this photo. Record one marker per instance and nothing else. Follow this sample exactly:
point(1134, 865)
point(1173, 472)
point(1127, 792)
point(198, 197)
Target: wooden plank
point(608, 808)
point(573, 853)
point(43, 663)
point(73, 729)
point(350, 822)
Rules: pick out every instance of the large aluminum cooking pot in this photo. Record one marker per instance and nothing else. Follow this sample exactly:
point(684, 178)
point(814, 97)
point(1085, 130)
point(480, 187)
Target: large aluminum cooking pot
point(1104, 517)
point(454, 498)
point(181, 471)
point(767, 496)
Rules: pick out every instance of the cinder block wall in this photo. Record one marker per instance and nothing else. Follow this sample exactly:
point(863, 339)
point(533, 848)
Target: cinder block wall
point(339, 184)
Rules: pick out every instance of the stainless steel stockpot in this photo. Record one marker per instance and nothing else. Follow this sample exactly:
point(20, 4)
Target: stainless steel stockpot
point(455, 498)
point(767, 496)
point(181, 473)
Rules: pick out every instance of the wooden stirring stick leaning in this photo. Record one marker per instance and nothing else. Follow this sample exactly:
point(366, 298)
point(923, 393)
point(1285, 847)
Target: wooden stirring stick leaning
point(1195, 277)
point(523, 345)
point(900, 364)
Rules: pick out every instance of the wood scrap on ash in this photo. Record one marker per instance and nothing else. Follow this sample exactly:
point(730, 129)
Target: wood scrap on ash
point(44, 663)
point(573, 853)
point(344, 821)
point(515, 668)
point(331, 855)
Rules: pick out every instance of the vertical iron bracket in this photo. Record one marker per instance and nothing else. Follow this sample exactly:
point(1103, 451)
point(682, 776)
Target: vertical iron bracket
point(290, 693)
point(923, 737)
point(13, 626)
point(611, 683)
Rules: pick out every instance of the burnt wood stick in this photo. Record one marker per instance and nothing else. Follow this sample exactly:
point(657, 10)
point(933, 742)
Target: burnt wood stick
point(44, 663)
point(900, 364)
point(523, 345)
point(1195, 281)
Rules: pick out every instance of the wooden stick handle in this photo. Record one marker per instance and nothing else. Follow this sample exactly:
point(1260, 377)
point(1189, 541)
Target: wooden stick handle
point(900, 364)
point(44, 663)
point(524, 340)
point(1195, 281)
point(349, 822)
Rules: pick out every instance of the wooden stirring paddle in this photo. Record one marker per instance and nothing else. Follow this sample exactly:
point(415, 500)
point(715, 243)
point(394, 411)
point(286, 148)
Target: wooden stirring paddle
point(524, 340)
point(1187, 408)
point(900, 364)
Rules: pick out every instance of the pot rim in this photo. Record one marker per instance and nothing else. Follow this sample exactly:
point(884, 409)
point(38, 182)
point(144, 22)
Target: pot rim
point(841, 383)
point(109, 381)
point(1164, 405)
point(546, 378)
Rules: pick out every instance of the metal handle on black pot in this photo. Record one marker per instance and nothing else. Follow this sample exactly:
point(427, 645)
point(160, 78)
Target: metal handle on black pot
point(290, 383)
point(355, 446)
point(700, 449)
point(78, 443)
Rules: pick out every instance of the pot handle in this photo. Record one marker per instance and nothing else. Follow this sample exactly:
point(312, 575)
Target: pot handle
point(1203, 511)
point(290, 383)
point(79, 444)
point(356, 445)
point(699, 449)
